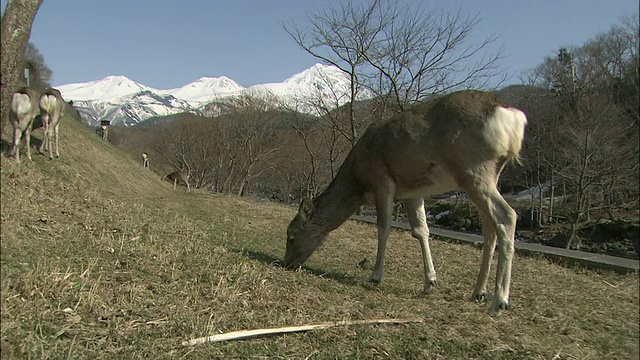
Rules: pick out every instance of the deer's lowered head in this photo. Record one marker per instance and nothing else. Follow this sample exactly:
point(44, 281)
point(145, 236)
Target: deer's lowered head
point(318, 217)
point(303, 238)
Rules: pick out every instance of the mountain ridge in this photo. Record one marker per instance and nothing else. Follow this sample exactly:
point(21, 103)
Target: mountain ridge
point(123, 101)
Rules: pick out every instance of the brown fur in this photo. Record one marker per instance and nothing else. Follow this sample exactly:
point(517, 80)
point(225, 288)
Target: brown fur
point(179, 177)
point(24, 109)
point(462, 140)
point(51, 106)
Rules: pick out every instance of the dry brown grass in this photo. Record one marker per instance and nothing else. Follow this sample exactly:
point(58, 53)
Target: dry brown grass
point(100, 259)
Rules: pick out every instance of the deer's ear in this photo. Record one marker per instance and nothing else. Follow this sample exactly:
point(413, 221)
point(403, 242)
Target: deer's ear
point(306, 209)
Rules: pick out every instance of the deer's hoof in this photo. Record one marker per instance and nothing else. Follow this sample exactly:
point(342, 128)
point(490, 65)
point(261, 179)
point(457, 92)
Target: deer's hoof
point(430, 287)
point(479, 297)
point(498, 307)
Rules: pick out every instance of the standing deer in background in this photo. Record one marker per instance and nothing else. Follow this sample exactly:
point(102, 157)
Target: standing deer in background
point(24, 109)
point(145, 160)
point(51, 106)
point(178, 177)
point(462, 140)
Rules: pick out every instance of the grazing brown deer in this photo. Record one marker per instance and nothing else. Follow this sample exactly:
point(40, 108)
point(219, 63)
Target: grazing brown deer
point(461, 140)
point(51, 107)
point(24, 109)
point(178, 177)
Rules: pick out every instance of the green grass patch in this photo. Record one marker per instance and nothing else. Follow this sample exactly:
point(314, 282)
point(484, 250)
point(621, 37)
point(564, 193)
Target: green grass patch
point(100, 259)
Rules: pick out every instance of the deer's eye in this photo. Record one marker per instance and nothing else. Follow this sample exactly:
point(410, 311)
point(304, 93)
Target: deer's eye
point(290, 240)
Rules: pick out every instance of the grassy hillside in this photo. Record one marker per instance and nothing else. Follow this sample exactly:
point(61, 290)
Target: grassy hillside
point(100, 259)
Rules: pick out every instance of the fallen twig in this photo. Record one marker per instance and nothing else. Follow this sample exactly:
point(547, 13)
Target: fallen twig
point(244, 334)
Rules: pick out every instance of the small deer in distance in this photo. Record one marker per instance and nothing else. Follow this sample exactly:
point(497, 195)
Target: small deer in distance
point(23, 111)
point(145, 160)
point(179, 177)
point(462, 140)
point(51, 107)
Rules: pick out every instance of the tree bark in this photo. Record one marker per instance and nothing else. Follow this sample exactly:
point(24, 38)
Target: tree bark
point(15, 32)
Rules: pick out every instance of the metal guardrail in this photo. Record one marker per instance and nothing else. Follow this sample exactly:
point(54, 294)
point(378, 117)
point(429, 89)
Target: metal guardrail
point(563, 256)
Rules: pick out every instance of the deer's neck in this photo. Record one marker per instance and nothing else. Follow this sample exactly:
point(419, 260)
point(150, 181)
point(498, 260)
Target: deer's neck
point(337, 203)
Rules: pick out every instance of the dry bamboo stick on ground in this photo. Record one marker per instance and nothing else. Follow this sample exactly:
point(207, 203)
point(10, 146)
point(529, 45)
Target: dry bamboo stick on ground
point(244, 334)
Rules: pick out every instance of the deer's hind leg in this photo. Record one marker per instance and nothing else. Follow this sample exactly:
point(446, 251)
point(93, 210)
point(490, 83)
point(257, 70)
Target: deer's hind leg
point(502, 218)
point(498, 226)
point(489, 234)
point(44, 145)
point(55, 129)
point(420, 231)
point(15, 148)
point(27, 141)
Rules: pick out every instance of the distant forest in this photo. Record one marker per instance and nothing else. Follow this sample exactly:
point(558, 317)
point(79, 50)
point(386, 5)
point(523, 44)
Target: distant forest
point(581, 143)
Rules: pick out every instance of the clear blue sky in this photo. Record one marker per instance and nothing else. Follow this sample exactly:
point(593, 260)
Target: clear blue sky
point(167, 44)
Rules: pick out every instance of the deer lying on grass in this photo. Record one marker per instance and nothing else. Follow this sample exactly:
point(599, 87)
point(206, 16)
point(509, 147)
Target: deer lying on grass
point(178, 177)
point(51, 107)
point(462, 140)
point(24, 109)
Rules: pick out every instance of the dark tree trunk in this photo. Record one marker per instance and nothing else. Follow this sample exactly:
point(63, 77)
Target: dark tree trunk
point(15, 32)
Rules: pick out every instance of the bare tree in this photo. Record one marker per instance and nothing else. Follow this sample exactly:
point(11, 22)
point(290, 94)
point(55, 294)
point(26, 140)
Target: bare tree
point(228, 153)
point(15, 32)
point(306, 131)
point(423, 52)
point(255, 128)
point(397, 51)
point(594, 138)
point(39, 73)
point(339, 36)
point(392, 54)
point(177, 142)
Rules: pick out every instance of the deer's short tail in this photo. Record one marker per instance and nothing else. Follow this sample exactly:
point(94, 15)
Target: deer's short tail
point(48, 102)
point(506, 131)
point(21, 104)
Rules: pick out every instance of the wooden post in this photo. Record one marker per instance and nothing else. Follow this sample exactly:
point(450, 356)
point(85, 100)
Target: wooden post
point(104, 125)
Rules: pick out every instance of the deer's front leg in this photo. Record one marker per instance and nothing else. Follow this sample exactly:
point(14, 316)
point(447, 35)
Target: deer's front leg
point(420, 231)
point(384, 210)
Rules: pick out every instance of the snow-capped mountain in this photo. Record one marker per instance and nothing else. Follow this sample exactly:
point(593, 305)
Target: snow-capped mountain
point(126, 102)
point(111, 87)
point(319, 83)
point(130, 109)
point(205, 90)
